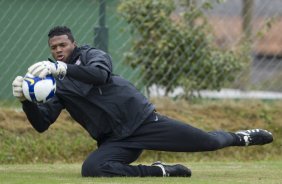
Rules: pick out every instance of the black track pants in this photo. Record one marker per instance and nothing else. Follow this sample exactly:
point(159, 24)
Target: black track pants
point(157, 133)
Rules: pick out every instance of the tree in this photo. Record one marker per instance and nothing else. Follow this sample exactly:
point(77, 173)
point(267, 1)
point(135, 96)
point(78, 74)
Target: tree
point(175, 52)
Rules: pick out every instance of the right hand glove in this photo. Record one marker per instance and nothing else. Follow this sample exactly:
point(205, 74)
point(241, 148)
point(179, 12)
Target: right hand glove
point(17, 88)
point(44, 68)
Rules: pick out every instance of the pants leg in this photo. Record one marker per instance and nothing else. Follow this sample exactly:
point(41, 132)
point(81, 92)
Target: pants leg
point(158, 133)
point(112, 159)
point(167, 134)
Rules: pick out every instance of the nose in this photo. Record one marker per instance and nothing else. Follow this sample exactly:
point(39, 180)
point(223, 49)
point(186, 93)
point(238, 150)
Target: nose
point(58, 49)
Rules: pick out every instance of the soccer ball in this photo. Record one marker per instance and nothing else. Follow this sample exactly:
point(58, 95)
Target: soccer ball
point(39, 90)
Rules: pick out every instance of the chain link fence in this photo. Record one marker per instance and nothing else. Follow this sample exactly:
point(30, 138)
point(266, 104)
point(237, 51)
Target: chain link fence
point(253, 28)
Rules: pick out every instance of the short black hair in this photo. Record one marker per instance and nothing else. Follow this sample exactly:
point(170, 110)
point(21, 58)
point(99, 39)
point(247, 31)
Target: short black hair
point(60, 30)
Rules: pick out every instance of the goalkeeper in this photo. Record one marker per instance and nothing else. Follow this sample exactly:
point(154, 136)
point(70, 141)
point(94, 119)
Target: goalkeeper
point(116, 115)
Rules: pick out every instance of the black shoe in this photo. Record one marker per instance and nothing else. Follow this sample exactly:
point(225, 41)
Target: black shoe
point(173, 170)
point(254, 137)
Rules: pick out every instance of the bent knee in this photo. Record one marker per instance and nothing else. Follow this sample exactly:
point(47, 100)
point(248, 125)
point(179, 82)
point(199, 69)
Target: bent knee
point(107, 169)
point(91, 170)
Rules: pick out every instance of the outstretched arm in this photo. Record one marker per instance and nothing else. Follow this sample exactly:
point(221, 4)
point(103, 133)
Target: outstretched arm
point(41, 116)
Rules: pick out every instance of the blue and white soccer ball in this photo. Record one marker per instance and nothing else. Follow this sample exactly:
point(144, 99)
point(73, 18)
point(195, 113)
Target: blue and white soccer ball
point(39, 90)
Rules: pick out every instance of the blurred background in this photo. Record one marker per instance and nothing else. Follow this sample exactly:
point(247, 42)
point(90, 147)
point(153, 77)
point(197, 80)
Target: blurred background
point(177, 48)
point(214, 64)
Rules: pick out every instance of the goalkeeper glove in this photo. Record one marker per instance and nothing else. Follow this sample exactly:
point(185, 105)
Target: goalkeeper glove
point(17, 88)
point(44, 68)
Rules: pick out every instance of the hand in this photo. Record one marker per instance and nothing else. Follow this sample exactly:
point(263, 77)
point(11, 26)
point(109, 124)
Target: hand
point(17, 88)
point(43, 68)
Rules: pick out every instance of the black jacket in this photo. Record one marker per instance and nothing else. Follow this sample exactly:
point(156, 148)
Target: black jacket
point(106, 105)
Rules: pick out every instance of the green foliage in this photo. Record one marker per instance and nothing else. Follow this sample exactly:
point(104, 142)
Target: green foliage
point(174, 51)
point(266, 27)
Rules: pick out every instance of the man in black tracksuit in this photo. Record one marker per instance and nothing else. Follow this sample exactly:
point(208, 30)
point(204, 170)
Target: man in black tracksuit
point(116, 114)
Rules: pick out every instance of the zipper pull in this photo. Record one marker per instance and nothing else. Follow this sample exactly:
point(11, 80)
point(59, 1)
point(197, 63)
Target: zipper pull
point(100, 91)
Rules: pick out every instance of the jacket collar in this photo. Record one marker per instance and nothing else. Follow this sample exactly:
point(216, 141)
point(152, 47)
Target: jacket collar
point(74, 56)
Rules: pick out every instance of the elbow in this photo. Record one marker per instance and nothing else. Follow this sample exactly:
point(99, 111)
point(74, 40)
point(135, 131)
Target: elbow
point(104, 77)
point(101, 81)
point(40, 129)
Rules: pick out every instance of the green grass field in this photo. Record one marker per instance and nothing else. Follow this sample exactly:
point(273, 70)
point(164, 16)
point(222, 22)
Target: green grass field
point(26, 156)
point(263, 172)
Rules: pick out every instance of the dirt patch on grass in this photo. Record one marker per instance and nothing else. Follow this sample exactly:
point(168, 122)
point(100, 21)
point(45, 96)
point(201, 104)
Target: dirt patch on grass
point(15, 120)
point(230, 115)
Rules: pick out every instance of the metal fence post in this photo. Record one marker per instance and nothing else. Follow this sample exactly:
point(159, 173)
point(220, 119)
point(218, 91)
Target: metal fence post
point(101, 31)
point(247, 13)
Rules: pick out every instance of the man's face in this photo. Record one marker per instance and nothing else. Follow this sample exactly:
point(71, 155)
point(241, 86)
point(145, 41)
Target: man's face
point(61, 47)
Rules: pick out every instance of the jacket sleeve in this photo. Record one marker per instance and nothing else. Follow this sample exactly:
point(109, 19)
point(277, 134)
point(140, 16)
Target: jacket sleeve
point(41, 116)
point(96, 70)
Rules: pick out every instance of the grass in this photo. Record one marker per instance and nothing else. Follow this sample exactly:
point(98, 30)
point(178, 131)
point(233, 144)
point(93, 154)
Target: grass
point(29, 157)
point(203, 172)
point(66, 141)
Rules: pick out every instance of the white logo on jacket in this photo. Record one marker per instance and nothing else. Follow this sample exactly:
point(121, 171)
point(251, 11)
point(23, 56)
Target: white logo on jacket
point(78, 62)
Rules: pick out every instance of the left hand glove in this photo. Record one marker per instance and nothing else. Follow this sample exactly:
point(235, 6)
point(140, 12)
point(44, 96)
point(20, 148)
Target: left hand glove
point(17, 88)
point(44, 68)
